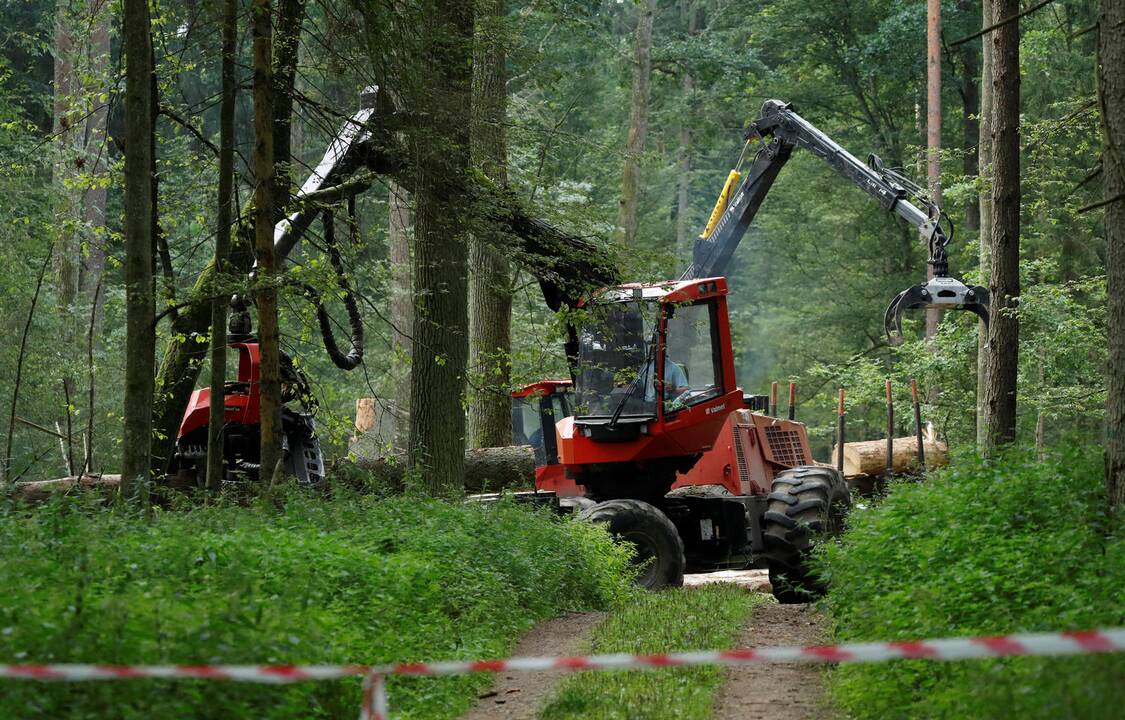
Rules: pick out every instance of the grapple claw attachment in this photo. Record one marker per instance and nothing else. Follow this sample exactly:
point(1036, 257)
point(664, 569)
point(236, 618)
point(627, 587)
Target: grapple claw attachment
point(942, 293)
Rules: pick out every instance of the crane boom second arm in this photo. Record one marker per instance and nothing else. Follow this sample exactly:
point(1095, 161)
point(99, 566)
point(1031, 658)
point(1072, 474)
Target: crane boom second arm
point(782, 130)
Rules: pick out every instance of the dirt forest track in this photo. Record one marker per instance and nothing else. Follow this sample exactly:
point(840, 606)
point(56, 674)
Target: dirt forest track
point(519, 696)
point(777, 691)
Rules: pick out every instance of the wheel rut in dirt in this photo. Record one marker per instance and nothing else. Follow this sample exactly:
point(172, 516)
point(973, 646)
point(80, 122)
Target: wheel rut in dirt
point(519, 696)
point(777, 691)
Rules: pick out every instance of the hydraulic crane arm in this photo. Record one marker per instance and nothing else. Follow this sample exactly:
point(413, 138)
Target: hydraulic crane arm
point(782, 130)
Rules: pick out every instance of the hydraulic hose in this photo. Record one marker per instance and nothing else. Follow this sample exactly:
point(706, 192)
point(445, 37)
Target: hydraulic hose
point(355, 321)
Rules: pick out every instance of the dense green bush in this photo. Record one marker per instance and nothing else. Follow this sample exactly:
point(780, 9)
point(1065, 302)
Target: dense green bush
point(351, 580)
point(1013, 545)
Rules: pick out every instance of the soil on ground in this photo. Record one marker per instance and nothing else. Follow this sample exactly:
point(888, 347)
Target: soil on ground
point(777, 691)
point(520, 695)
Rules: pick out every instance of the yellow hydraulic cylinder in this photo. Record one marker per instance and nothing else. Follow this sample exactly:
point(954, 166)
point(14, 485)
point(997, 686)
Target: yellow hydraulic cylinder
point(721, 203)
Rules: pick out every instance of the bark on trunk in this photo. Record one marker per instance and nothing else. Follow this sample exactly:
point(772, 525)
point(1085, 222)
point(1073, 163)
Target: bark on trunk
point(1111, 95)
point(1003, 336)
point(264, 213)
point(490, 274)
point(440, 144)
point(638, 124)
point(224, 225)
point(984, 155)
point(140, 340)
point(402, 310)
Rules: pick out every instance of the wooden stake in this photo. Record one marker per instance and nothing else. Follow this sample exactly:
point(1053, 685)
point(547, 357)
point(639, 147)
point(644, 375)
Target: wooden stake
point(840, 432)
point(773, 399)
point(918, 425)
point(792, 401)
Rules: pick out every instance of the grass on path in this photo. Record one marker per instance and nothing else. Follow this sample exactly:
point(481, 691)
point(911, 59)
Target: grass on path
point(684, 619)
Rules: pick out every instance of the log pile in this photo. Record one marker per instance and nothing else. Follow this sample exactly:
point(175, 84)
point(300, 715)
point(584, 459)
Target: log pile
point(869, 457)
point(37, 491)
point(486, 470)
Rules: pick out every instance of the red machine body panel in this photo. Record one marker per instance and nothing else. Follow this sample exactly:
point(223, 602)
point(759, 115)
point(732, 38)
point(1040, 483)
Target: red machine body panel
point(673, 432)
point(750, 451)
point(241, 402)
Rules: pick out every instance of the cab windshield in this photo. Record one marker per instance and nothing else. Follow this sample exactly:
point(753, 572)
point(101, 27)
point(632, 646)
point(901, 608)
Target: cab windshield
point(616, 360)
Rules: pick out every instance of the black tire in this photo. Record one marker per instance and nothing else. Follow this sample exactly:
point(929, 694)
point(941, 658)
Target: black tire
point(659, 549)
point(805, 503)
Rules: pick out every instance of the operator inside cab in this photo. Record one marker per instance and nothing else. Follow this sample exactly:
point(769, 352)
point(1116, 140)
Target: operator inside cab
point(618, 353)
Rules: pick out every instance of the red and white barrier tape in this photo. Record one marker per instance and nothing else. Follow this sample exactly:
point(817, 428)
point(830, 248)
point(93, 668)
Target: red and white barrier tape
point(374, 687)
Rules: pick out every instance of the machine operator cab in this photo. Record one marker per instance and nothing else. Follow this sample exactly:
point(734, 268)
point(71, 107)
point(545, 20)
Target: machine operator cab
point(655, 375)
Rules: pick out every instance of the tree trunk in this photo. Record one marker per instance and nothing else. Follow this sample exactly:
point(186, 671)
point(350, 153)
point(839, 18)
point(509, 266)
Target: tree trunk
point(933, 129)
point(96, 152)
point(1003, 336)
point(638, 124)
point(140, 339)
point(684, 237)
point(490, 276)
point(440, 145)
point(402, 309)
point(69, 129)
point(264, 214)
point(984, 155)
point(1111, 95)
point(970, 116)
point(224, 224)
point(286, 45)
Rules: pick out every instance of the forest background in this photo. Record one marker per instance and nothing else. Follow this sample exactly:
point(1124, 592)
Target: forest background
point(809, 283)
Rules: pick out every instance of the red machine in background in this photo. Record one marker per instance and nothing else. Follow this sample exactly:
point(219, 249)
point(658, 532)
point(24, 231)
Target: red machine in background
point(241, 430)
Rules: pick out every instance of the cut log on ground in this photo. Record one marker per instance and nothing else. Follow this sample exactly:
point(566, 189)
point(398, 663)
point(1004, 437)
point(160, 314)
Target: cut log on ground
point(869, 457)
point(486, 470)
point(37, 491)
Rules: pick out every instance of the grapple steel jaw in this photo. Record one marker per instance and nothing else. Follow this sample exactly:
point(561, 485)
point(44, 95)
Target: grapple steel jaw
point(942, 293)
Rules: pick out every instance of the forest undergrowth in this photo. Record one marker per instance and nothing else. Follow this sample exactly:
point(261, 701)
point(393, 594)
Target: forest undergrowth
point(1017, 544)
point(354, 579)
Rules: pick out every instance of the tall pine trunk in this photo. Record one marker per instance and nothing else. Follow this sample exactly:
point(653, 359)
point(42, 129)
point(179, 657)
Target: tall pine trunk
point(638, 124)
point(140, 338)
point(684, 236)
point(933, 129)
point(490, 279)
point(264, 211)
point(1003, 335)
point(984, 163)
point(440, 146)
point(402, 308)
point(223, 229)
point(1111, 95)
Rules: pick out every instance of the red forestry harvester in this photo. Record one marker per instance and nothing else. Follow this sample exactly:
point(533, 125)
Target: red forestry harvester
point(652, 436)
point(655, 435)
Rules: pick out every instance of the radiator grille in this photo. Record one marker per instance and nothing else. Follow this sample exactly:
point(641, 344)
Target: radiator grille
point(785, 446)
point(740, 452)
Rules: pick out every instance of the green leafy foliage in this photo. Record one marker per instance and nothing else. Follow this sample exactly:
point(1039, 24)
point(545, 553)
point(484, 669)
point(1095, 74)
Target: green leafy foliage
point(1016, 544)
point(350, 580)
point(675, 620)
